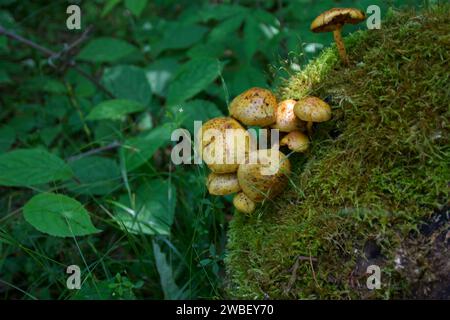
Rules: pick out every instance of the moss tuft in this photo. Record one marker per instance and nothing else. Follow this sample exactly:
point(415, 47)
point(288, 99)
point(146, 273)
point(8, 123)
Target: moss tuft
point(374, 174)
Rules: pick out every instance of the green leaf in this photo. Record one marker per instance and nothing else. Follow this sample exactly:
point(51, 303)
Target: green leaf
point(109, 5)
point(58, 215)
point(7, 137)
point(136, 6)
point(226, 28)
point(28, 167)
point(180, 35)
point(94, 175)
point(159, 73)
point(106, 50)
point(138, 150)
point(200, 110)
point(128, 82)
point(154, 209)
point(193, 77)
point(166, 275)
point(114, 109)
point(252, 35)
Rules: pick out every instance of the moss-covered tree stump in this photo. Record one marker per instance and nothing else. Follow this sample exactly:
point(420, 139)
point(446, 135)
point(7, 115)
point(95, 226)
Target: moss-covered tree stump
point(373, 189)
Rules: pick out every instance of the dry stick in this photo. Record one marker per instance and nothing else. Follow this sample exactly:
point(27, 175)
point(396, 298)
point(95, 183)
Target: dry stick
point(52, 54)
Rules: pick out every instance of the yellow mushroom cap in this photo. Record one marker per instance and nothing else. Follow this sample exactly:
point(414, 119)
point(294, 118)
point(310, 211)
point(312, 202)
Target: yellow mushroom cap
point(254, 107)
point(266, 177)
point(335, 18)
point(286, 121)
point(312, 109)
point(224, 155)
point(221, 184)
point(243, 203)
point(296, 141)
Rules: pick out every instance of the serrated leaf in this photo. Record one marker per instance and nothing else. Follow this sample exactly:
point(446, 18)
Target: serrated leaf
point(58, 215)
point(28, 167)
point(129, 83)
point(154, 209)
point(106, 50)
point(140, 149)
point(136, 6)
point(193, 77)
point(94, 175)
point(114, 109)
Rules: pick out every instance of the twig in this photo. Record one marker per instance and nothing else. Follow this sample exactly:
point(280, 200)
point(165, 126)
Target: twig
point(110, 146)
point(57, 55)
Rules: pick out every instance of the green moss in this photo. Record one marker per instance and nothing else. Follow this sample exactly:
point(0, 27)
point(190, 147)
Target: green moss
point(373, 174)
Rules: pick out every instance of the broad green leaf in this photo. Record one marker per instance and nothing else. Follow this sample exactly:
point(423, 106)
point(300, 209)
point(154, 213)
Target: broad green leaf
point(221, 12)
point(154, 209)
point(140, 149)
point(136, 6)
point(159, 73)
point(193, 77)
point(190, 111)
point(94, 175)
point(179, 35)
point(252, 35)
point(207, 50)
point(28, 167)
point(106, 50)
point(226, 28)
point(58, 215)
point(7, 137)
point(166, 275)
point(114, 109)
point(128, 82)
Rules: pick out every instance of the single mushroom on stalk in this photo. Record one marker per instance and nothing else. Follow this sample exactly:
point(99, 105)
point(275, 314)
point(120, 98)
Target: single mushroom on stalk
point(312, 109)
point(333, 20)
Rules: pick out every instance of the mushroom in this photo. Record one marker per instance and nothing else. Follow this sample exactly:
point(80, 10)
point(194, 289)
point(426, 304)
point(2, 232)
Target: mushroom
point(224, 143)
point(265, 175)
point(243, 203)
point(333, 20)
point(286, 121)
point(312, 109)
point(296, 141)
point(221, 184)
point(254, 107)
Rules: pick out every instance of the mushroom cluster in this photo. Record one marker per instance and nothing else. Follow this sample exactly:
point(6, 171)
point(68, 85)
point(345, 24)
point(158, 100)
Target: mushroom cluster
point(260, 174)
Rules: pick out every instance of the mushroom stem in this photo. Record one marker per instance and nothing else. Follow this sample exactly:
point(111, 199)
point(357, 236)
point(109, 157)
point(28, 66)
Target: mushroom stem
point(309, 128)
point(340, 45)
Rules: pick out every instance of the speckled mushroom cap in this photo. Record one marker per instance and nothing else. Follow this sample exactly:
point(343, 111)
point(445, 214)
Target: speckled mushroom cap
point(256, 182)
point(243, 203)
point(254, 107)
point(312, 109)
point(223, 148)
point(331, 20)
point(296, 141)
point(286, 121)
point(221, 184)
